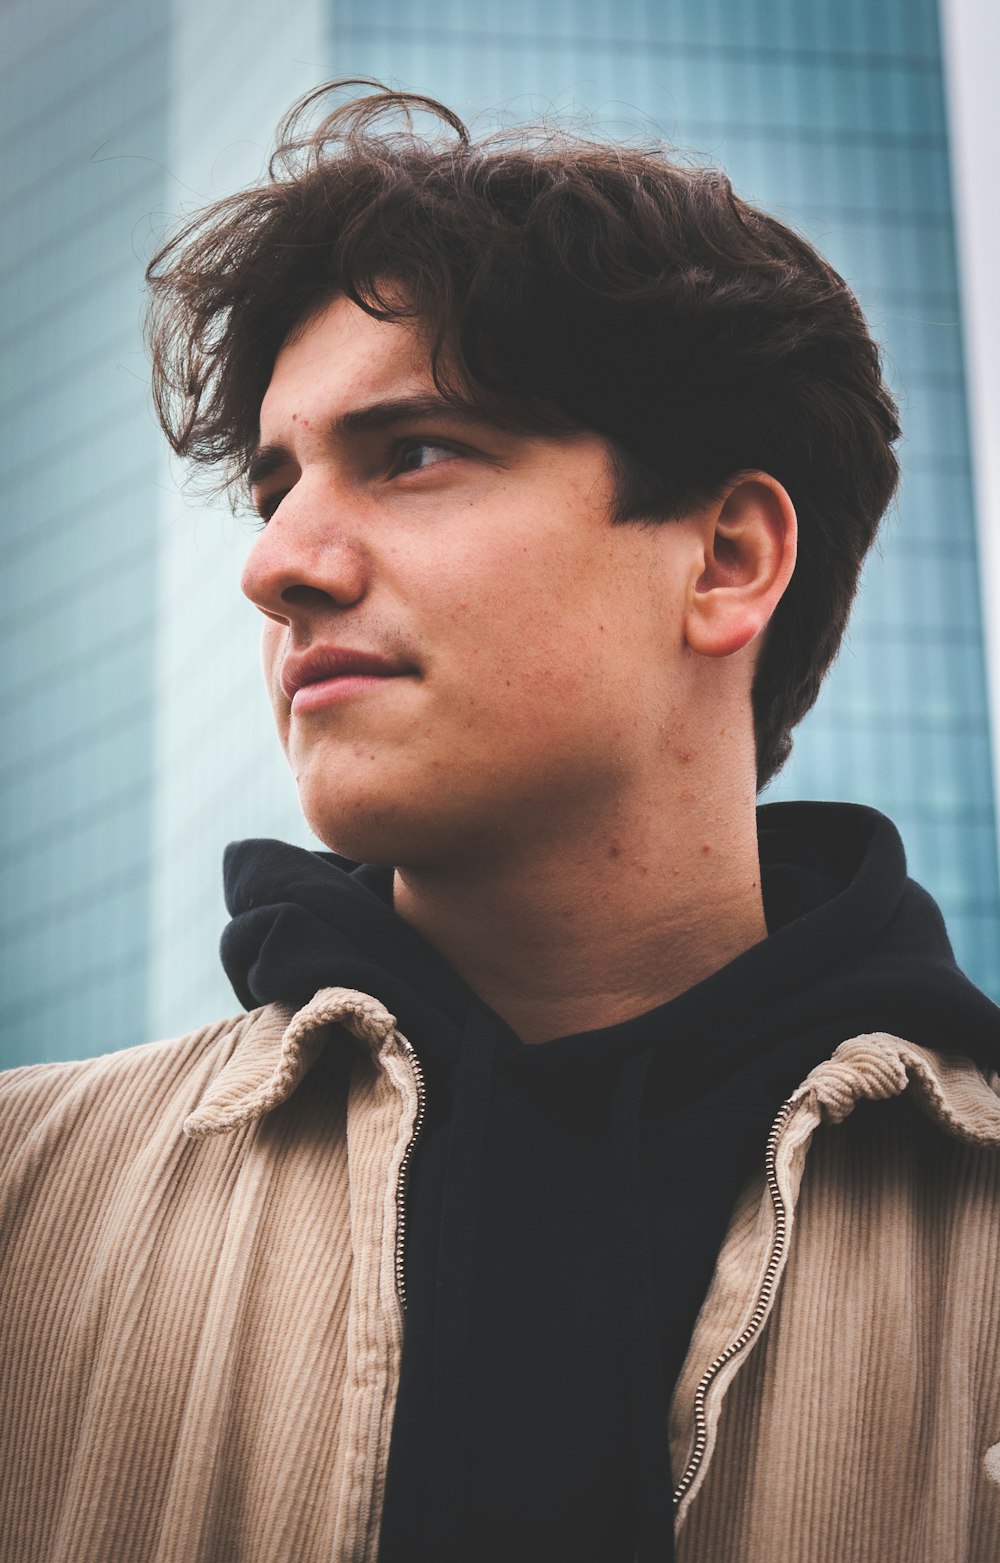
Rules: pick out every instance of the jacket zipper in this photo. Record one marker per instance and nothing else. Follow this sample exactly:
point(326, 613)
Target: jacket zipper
point(402, 1176)
point(761, 1307)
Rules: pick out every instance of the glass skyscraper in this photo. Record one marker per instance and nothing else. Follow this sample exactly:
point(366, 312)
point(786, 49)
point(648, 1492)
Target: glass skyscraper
point(82, 166)
point(139, 740)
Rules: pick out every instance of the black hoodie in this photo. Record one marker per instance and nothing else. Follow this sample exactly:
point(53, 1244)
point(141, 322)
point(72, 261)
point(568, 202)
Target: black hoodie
point(567, 1201)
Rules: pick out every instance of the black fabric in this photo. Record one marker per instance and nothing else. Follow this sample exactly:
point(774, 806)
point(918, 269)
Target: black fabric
point(567, 1201)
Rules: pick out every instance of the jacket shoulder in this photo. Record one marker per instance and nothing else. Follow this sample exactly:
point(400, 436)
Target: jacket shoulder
point(96, 1096)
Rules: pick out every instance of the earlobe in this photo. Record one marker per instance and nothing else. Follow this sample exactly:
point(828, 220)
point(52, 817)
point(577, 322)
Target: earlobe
point(750, 535)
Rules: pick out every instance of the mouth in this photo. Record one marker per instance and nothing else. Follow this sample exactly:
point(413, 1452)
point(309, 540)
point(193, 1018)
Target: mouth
point(328, 674)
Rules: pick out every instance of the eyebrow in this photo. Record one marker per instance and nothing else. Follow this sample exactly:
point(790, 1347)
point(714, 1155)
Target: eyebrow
point(268, 459)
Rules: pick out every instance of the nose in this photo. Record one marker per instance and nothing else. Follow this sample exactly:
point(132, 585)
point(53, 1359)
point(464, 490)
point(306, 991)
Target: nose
point(303, 562)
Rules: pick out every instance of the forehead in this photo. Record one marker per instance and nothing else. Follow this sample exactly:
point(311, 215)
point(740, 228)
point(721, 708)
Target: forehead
point(341, 354)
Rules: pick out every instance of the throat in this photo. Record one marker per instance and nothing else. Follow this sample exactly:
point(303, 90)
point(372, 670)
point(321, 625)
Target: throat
point(553, 957)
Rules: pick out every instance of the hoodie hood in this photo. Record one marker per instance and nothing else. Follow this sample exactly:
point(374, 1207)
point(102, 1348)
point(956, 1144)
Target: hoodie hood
point(851, 938)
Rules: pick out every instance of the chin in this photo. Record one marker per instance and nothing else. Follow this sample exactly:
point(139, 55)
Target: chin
point(367, 827)
point(356, 833)
point(396, 830)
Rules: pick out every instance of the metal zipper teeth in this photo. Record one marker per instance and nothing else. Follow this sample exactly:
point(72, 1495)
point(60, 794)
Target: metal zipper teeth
point(404, 1170)
point(760, 1309)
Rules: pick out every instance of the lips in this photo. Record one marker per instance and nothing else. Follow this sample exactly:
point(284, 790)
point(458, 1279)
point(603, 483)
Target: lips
point(320, 663)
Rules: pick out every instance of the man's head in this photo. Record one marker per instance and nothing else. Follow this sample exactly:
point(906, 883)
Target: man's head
point(578, 298)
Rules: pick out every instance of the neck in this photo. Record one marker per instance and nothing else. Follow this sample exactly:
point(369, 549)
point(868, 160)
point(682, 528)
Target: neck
point(600, 927)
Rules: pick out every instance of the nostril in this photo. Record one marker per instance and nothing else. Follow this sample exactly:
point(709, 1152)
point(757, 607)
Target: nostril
point(303, 596)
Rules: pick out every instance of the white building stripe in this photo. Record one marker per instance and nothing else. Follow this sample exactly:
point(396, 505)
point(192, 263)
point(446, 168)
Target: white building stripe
point(970, 47)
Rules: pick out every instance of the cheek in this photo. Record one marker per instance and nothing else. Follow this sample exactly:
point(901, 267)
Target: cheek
point(568, 669)
point(536, 678)
point(516, 648)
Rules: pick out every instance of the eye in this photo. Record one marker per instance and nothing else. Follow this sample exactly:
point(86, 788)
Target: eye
point(414, 455)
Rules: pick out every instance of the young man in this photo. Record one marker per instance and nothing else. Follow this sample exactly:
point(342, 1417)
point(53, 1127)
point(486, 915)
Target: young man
point(604, 1167)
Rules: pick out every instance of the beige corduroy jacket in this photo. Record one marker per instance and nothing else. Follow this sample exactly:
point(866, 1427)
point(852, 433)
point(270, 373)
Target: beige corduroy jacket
point(201, 1304)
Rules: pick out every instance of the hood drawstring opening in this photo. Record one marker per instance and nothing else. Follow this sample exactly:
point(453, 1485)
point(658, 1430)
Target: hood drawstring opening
point(447, 1467)
point(640, 1340)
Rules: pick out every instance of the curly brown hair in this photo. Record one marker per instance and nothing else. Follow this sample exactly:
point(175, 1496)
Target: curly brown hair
point(559, 281)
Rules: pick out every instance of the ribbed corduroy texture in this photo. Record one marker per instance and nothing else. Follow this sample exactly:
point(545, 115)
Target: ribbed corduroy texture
point(201, 1337)
point(862, 1422)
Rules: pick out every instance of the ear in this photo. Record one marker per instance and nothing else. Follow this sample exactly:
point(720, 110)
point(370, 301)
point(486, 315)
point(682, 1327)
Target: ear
point(749, 539)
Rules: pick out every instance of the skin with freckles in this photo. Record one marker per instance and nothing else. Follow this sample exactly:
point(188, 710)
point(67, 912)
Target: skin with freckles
point(562, 769)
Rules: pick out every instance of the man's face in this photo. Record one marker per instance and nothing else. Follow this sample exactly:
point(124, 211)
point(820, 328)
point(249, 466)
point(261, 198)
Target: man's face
point(521, 666)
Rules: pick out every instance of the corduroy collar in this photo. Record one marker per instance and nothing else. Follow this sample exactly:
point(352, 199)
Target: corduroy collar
point(276, 1047)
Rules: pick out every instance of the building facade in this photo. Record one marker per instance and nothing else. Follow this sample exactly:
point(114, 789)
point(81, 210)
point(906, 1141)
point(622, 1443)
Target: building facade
point(82, 167)
point(832, 114)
